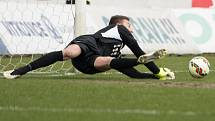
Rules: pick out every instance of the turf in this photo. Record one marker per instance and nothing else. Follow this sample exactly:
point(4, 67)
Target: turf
point(110, 96)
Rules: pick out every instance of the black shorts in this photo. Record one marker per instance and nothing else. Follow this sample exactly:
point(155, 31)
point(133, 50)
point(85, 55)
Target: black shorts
point(85, 62)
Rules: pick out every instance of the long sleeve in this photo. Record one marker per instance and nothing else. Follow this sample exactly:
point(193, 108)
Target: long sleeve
point(133, 73)
point(130, 41)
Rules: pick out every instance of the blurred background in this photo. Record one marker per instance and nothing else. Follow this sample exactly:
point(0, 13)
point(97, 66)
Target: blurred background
point(138, 3)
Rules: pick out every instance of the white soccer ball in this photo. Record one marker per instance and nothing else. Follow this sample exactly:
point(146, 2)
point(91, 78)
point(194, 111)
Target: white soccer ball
point(199, 67)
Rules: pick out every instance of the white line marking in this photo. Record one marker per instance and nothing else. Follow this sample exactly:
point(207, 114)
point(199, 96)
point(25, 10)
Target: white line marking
point(49, 74)
point(93, 110)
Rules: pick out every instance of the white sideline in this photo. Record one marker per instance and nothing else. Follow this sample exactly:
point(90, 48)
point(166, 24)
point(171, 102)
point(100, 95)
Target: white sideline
point(93, 110)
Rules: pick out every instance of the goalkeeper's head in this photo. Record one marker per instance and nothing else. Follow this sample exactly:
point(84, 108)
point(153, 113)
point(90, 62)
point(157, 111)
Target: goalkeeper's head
point(121, 20)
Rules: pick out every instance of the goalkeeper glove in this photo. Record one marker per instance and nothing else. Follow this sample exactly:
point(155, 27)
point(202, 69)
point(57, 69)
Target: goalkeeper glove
point(165, 74)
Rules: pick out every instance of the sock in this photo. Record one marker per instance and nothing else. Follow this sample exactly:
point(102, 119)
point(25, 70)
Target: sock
point(123, 63)
point(43, 61)
point(152, 67)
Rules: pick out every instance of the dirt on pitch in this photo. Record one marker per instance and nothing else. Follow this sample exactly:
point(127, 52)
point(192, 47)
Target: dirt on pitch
point(205, 85)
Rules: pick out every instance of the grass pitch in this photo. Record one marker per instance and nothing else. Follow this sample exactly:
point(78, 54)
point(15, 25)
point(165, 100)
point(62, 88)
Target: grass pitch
point(110, 96)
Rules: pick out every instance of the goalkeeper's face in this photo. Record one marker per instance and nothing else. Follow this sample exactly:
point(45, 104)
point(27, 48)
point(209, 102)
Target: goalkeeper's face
point(127, 24)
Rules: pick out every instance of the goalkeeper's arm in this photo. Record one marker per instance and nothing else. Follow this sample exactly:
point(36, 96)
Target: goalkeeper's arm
point(130, 41)
point(133, 73)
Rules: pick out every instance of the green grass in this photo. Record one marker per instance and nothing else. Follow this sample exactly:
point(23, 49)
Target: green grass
point(110, 96)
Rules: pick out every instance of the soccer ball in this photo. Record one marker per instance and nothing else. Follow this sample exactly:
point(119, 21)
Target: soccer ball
point(199, 67)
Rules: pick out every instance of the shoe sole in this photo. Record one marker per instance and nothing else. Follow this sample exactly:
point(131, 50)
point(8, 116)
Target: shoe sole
point(152, 56)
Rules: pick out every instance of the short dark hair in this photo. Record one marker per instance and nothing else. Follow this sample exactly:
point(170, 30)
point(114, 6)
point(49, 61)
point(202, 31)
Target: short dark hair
point(117, 18)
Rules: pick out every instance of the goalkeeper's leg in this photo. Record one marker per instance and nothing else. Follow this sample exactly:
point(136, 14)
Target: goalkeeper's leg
point(71, 51)
point(106, 63)
point(128, 63)
point(146, 59)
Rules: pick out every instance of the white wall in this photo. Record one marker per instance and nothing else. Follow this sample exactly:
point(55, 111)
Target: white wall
point(126, 3)
point(144, 3)
point(38, 1)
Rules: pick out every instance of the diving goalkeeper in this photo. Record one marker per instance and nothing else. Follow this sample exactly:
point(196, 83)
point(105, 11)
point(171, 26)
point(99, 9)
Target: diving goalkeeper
point(100, 52)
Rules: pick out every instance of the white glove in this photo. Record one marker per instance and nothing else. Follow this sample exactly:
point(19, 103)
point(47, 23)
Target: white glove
point(170, 75)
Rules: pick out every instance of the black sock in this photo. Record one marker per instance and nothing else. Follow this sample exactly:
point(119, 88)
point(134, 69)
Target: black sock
point(43, 61)
point(152, 67)
point(123, 63)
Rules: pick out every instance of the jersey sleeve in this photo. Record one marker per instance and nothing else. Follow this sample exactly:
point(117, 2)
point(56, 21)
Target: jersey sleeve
point(133, 73)
point(129, 40)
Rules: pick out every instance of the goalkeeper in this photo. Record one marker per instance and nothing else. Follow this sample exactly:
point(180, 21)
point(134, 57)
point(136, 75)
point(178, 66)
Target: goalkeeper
point(100, 52)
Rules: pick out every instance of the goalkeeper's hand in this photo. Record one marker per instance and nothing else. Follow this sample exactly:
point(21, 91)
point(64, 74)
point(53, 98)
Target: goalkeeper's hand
point(165, 74)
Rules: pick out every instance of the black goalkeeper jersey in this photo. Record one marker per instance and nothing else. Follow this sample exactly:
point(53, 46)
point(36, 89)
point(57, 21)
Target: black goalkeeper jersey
point(108, 42)
point(111, 39)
